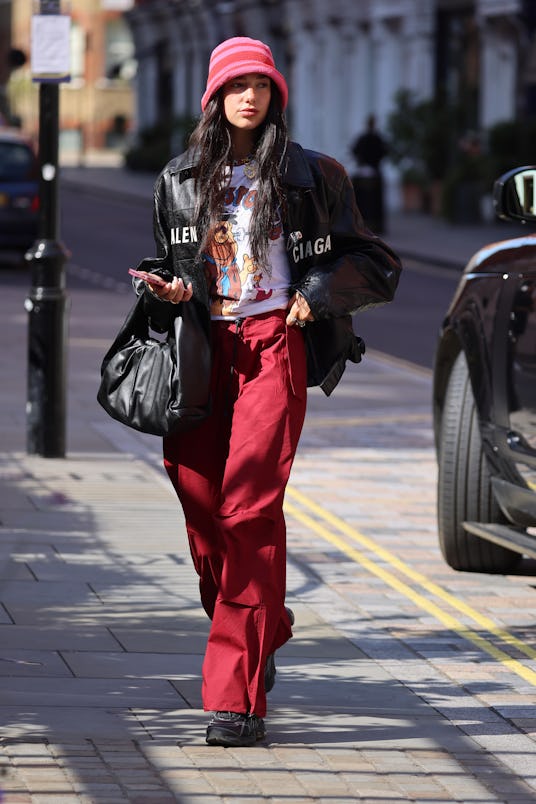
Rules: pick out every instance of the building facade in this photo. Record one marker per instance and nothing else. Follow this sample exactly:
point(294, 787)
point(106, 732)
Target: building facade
point(345, 59)
point(96, 106)
point(138, 63)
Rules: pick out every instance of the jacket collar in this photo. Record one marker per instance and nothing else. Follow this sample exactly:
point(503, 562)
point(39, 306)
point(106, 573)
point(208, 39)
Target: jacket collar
point(295, 168)
point(296, 171)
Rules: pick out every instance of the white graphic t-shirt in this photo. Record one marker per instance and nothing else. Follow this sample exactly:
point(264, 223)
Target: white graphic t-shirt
point(237, 286)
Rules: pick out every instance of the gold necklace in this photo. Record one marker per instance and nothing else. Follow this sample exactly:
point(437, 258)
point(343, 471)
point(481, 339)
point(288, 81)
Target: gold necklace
point(249, 164)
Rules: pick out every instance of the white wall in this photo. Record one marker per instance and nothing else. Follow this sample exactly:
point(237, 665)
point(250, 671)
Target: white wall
point(348, 58)
point(499, 71)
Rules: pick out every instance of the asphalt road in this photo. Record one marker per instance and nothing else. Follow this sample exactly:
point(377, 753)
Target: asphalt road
point(106, 237)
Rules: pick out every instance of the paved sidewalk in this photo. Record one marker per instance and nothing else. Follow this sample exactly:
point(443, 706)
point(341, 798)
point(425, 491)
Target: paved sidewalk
point(102, 636)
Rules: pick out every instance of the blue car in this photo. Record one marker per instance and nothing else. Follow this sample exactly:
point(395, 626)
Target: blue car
point(19, 192)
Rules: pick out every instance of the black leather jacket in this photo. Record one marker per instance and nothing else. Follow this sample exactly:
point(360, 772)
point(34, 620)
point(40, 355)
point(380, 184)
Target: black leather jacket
point(335, 263)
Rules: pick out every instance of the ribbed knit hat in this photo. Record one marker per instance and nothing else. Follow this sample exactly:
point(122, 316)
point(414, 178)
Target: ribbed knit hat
point(239, 56)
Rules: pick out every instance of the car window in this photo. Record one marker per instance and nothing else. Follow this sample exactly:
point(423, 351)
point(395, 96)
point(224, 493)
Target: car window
point(16, 161)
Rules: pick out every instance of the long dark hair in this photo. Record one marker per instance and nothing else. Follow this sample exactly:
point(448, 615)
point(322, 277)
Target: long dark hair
point(212, 139)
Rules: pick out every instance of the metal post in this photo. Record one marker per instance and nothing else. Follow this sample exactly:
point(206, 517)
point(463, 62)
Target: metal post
point(46, 303)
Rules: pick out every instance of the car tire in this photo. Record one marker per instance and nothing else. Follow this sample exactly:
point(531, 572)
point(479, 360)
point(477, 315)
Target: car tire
point(464, 484)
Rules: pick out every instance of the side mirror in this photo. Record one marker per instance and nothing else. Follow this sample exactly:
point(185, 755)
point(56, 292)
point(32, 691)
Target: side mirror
point(514, 195)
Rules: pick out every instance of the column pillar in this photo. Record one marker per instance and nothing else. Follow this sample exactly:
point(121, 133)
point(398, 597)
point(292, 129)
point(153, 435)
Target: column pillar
point(360, 83)
point(498, 71)
point(143, 33)
point(302, 74)
point(387, 64)
point(334, 103)
point(418, 50)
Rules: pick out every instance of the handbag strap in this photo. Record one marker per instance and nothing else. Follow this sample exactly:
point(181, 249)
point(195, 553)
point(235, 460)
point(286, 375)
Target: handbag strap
point(135, 325)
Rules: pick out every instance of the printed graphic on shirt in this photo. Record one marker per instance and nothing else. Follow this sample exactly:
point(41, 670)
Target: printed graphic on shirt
point(221, 264)
point(236, 283)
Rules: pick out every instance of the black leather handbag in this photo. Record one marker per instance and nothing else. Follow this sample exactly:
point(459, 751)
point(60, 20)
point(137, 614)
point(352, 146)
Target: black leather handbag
point(158, 387)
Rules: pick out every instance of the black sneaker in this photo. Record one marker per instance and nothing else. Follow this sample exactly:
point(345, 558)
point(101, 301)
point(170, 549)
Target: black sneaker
point(235, 729)
point(270, 670)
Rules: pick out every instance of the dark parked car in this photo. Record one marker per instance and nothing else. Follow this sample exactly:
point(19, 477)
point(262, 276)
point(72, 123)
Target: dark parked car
point(19, 187)
point(485, 398)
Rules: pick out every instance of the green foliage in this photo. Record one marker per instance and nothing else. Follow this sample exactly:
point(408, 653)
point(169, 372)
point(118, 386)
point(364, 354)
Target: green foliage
point(508, 144)
point(432, 141)
point(157, 144)
point(420, 137)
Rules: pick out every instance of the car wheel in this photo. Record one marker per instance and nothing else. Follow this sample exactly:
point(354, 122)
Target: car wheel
point(464, 485)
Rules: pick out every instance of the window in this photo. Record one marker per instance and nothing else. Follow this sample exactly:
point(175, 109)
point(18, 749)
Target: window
point(17, 162)
point(119, 50)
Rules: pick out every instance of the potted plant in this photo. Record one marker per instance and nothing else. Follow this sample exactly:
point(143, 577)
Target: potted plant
point(158, 143)
point(420, 137)
point(413, 188)
point(465, 183)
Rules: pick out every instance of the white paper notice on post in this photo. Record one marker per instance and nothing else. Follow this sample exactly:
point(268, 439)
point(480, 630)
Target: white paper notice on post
point(51, 47)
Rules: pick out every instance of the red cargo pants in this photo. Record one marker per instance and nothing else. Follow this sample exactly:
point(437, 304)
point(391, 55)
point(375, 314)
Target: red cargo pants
point(230, 475)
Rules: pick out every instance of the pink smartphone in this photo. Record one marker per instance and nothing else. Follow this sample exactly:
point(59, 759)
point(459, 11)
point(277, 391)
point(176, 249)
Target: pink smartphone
point(153, 279)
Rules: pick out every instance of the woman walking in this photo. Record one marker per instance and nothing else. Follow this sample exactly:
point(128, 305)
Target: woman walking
point(266, 239)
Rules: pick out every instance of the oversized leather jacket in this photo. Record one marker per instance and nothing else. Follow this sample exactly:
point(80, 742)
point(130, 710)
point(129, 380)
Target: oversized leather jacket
point(335, 263)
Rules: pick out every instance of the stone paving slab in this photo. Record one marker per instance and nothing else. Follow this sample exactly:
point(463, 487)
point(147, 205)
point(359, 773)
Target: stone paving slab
point(25, 723)
point(171, 666)
point(32, 663)
point(88, 638)
point(88, 692)
point(173, 640)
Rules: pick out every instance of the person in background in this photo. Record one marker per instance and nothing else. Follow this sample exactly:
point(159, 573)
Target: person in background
point(265, 237)
point(369, 149)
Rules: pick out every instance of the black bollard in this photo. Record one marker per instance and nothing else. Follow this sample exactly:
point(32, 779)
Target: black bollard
point(46, 303)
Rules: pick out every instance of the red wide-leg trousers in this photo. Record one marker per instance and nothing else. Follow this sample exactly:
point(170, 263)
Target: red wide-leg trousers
point(230, 475)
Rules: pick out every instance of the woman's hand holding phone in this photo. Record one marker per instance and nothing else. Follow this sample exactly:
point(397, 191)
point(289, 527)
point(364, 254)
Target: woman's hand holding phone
point(174, 291)
point(151, 279)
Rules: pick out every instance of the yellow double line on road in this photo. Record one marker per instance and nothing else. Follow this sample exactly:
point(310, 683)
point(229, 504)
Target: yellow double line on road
point(317, 519)
point(356, 421)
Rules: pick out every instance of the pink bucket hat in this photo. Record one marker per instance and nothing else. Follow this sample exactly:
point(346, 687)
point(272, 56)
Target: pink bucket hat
point(239, 56)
